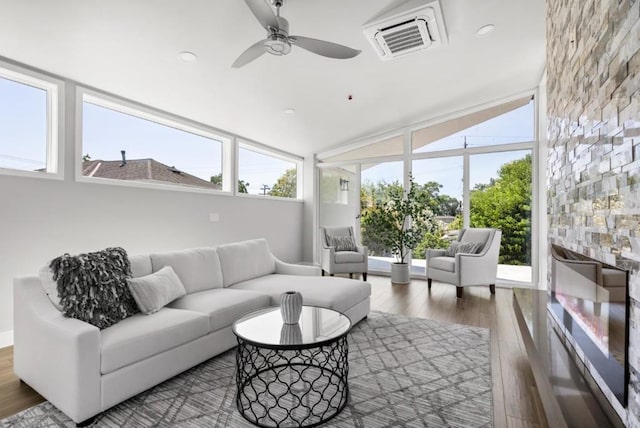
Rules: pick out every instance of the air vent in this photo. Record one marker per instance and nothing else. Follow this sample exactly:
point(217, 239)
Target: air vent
point(407, 29)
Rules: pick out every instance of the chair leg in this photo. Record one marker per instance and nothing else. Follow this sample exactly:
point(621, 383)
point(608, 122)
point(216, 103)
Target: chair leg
point(330, 274)
point(322, 272)
point(492, 288)
point(364, 276)
point(459, 292)
point(350, 275)
point(429, 283)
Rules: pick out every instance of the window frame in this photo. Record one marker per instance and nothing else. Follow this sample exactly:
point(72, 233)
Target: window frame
point(274, 153)
point(55, 89)
point(154, 115)
point(408, 157)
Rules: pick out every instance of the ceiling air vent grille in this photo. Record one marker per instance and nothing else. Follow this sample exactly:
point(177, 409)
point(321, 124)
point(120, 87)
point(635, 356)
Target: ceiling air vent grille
point(412, 28)
point(407, 35)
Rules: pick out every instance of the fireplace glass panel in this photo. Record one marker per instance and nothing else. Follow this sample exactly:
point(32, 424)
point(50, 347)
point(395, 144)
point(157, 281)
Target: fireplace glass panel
point(590, 301)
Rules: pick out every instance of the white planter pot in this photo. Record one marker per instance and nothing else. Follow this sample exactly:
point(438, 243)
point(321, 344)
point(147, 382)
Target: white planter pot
point(400, 273)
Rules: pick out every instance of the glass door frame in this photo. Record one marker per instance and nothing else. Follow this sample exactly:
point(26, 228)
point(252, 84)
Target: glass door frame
point(408, 157)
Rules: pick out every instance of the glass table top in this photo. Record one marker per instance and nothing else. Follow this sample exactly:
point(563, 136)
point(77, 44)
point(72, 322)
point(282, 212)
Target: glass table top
point(315, 327)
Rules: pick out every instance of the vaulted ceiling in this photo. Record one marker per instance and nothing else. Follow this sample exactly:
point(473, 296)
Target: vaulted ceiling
point(130, 48)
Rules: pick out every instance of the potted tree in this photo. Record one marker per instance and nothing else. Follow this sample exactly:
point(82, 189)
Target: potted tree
point(401, 223)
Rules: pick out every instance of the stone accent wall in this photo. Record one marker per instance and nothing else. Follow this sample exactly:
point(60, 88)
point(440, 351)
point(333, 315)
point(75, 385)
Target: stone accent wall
point(593, 167)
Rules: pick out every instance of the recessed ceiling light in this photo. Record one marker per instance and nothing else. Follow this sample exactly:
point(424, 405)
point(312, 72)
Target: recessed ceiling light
point(289, 111)
point(485, 29)
point(187, 56)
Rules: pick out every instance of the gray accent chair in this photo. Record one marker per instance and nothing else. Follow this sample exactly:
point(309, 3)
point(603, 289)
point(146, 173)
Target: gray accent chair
point(350, 262)
point(464, 270)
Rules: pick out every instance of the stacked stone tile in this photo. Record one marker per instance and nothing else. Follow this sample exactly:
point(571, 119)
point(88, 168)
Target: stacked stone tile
point(593, 168)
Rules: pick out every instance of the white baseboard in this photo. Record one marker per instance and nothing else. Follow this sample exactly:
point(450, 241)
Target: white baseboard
point(6, 338)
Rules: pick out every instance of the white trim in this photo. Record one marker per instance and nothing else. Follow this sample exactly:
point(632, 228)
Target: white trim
point(150, 185)
point(263, 149)
point(509, 147)
point(269, 197)
point(6, 338)
point(349, 145)
point(466, 191)
point(54, 116)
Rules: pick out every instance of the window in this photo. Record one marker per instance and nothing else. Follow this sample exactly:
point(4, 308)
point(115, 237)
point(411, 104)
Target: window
point(507, 123)
point(380, 182)
point(119, 143)
point(501, 198)
point(28, 124)
point(440, 182)
point(266, 175)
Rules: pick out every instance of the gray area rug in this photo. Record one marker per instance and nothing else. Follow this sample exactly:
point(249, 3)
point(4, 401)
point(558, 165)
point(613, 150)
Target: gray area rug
point(404, 372)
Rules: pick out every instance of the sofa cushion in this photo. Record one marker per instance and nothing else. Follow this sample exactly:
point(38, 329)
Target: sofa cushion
point(344, 243)
point(140, 265)
point(143, 336)
point(197, 268)
point(469, 247)
point(349, 257)
point(222, 306)
point(327, 292)
point(93, 287)
point(50, 286)
point(443, 263)
point(475, 235)
point(331, 232)
point(153, 292)
point(245, 260)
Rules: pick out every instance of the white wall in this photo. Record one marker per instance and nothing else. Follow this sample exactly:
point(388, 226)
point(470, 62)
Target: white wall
point(41, 219)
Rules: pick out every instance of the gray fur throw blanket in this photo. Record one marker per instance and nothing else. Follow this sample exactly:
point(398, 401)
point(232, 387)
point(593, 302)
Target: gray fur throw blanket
point(93, 286)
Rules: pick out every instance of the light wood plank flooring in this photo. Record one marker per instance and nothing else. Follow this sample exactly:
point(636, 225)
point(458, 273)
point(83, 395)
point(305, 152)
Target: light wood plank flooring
point(515, 398)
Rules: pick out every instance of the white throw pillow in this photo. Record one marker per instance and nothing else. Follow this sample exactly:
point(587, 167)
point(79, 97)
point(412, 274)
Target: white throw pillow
point(50, 286)
point(152, 292)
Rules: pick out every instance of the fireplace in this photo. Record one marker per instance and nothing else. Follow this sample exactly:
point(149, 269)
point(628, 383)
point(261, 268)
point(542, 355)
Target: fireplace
point(590, 301)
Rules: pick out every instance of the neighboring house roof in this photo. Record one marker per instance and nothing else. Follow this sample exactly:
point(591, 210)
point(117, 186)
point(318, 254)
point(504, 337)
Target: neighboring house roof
point(147, 170)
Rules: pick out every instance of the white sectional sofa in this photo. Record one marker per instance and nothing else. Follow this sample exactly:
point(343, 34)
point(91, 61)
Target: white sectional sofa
point(83, 370)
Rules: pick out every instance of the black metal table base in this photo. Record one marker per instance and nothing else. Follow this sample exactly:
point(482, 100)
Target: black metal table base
point(293, 387)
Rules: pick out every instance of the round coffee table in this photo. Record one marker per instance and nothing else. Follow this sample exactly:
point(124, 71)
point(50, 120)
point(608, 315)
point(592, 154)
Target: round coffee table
point(291, 375)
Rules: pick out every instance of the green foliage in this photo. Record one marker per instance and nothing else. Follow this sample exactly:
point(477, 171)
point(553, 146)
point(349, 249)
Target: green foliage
point(286, 186)
point(430, 240)
point(242, 185)
point(393, 221)
point(505, 203)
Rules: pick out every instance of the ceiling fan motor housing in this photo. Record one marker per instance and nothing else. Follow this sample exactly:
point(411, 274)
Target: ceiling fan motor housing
point(277, 44)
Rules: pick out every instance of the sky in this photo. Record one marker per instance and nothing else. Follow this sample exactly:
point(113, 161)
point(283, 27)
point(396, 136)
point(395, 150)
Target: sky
point(23, 138)
point(512, 127)
point(23, 126)
point(107, 132)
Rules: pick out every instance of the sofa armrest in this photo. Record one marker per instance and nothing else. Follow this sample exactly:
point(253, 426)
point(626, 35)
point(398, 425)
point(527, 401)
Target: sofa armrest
point(328, 259)
point(294, 269)
point(59, 357)
point(434, 253)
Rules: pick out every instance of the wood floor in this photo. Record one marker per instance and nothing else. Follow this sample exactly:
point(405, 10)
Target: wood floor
point(515, 398)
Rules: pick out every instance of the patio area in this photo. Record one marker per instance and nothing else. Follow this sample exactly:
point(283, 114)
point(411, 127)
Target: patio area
point(418, 267)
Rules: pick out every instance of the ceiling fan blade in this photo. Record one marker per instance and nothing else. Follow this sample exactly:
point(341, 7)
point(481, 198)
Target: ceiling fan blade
point(324, 48)
point(250, 54)
point(263, 13)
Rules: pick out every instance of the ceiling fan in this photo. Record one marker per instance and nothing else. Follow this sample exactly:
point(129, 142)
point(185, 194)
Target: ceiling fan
point(278, 41)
